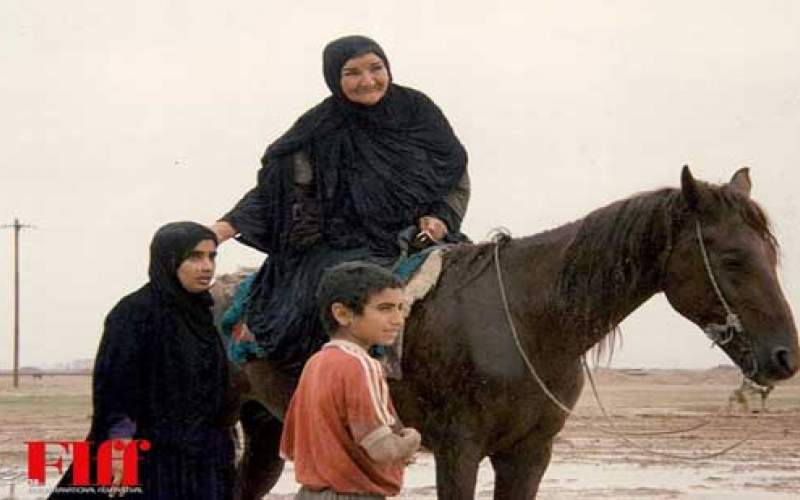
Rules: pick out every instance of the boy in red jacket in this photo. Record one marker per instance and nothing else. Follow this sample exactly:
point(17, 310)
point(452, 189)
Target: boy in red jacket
point(341, 429)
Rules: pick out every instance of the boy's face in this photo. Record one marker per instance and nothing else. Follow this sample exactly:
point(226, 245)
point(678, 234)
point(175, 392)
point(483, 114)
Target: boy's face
point(379, 323)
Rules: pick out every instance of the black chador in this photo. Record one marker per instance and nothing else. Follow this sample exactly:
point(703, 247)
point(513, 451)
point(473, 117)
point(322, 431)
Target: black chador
point(161, 375)
point(340, 185)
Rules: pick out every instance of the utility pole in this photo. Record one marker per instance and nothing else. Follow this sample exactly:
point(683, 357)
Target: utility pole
point(17, 228)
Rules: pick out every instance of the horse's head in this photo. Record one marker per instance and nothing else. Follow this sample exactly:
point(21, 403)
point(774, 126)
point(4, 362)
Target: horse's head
point(745, 312)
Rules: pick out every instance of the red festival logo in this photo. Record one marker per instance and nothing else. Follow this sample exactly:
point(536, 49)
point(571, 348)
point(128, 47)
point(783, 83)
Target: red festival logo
point(80, 451)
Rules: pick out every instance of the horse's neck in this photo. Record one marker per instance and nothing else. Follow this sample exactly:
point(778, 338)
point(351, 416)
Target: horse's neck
point(599, 269)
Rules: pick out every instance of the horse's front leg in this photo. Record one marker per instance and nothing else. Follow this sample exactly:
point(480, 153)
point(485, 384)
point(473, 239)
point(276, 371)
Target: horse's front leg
point(456, 471)
point(519, 470)
point(261, 464)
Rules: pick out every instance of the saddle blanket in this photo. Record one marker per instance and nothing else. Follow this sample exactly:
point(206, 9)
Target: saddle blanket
point(420, 272)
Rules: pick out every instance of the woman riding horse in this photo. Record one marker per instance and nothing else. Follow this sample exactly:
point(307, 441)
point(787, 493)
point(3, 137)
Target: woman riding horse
point(366, 163)
point(468, 377)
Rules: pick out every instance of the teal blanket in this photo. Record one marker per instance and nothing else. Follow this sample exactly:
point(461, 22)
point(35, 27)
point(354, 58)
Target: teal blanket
point(242, 347)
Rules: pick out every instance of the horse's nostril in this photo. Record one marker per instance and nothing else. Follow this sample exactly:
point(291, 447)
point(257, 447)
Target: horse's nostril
point(784, 361)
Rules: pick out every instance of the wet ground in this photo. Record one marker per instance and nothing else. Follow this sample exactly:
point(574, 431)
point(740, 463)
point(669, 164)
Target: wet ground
point(587, 463)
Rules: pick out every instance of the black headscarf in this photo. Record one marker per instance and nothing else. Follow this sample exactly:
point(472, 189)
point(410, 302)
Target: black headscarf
point(161, 362)
point(376, 169)
point(339, 51)
point(171, 245)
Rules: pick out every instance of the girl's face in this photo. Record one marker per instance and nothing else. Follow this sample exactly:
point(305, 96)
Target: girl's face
point(197, 271)
point(365, 79)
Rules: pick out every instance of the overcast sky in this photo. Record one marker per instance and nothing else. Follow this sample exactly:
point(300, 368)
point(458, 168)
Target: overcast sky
point(118, 116)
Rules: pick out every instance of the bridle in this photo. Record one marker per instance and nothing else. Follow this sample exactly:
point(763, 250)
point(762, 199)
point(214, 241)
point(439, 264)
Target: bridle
point(719, 334)
point(723, 334)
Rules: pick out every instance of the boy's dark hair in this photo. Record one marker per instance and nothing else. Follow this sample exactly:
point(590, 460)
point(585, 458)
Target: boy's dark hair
point(351, 284)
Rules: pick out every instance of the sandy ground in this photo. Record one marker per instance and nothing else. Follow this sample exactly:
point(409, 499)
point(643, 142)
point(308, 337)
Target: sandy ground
point(587, 463)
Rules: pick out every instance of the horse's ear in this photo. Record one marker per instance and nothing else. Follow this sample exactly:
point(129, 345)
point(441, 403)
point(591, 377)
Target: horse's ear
point(689, 188)
point(740, 182)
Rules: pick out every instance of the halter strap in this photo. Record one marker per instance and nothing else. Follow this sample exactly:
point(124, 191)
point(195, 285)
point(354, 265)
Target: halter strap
point(719, 334)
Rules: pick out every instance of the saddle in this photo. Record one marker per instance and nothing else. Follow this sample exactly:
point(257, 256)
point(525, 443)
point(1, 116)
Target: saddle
point(420, 271)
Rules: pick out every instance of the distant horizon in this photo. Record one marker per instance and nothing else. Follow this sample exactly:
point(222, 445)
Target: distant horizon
point(88, 363)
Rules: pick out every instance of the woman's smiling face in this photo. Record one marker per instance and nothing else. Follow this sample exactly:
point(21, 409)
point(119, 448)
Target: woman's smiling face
point(365, 79)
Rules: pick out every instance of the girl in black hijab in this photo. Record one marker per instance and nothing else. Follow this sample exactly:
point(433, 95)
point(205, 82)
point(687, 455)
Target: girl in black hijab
point(161, 374)
point(366, 163)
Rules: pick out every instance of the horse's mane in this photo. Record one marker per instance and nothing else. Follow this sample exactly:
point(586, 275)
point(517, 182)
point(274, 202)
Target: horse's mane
point(725, 200)
point(615, 249)
point(612, 252)
point(609, 257)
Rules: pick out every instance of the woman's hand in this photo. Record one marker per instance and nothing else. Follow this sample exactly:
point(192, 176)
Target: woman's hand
point(223, 230)
point(117, 451)
point(434, 227)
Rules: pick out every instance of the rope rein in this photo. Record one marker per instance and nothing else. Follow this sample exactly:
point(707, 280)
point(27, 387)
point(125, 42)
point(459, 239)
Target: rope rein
point(624, 436)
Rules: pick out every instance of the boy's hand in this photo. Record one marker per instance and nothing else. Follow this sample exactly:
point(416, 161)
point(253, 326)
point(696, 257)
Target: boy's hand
point(411, 435)
point(411, 441)
point(394, 447)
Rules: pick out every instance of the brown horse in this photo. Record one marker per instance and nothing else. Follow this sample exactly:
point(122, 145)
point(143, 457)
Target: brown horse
point(465, 385)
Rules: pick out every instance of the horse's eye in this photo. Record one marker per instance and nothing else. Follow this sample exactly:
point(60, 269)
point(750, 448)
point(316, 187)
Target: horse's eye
point(733, 263)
